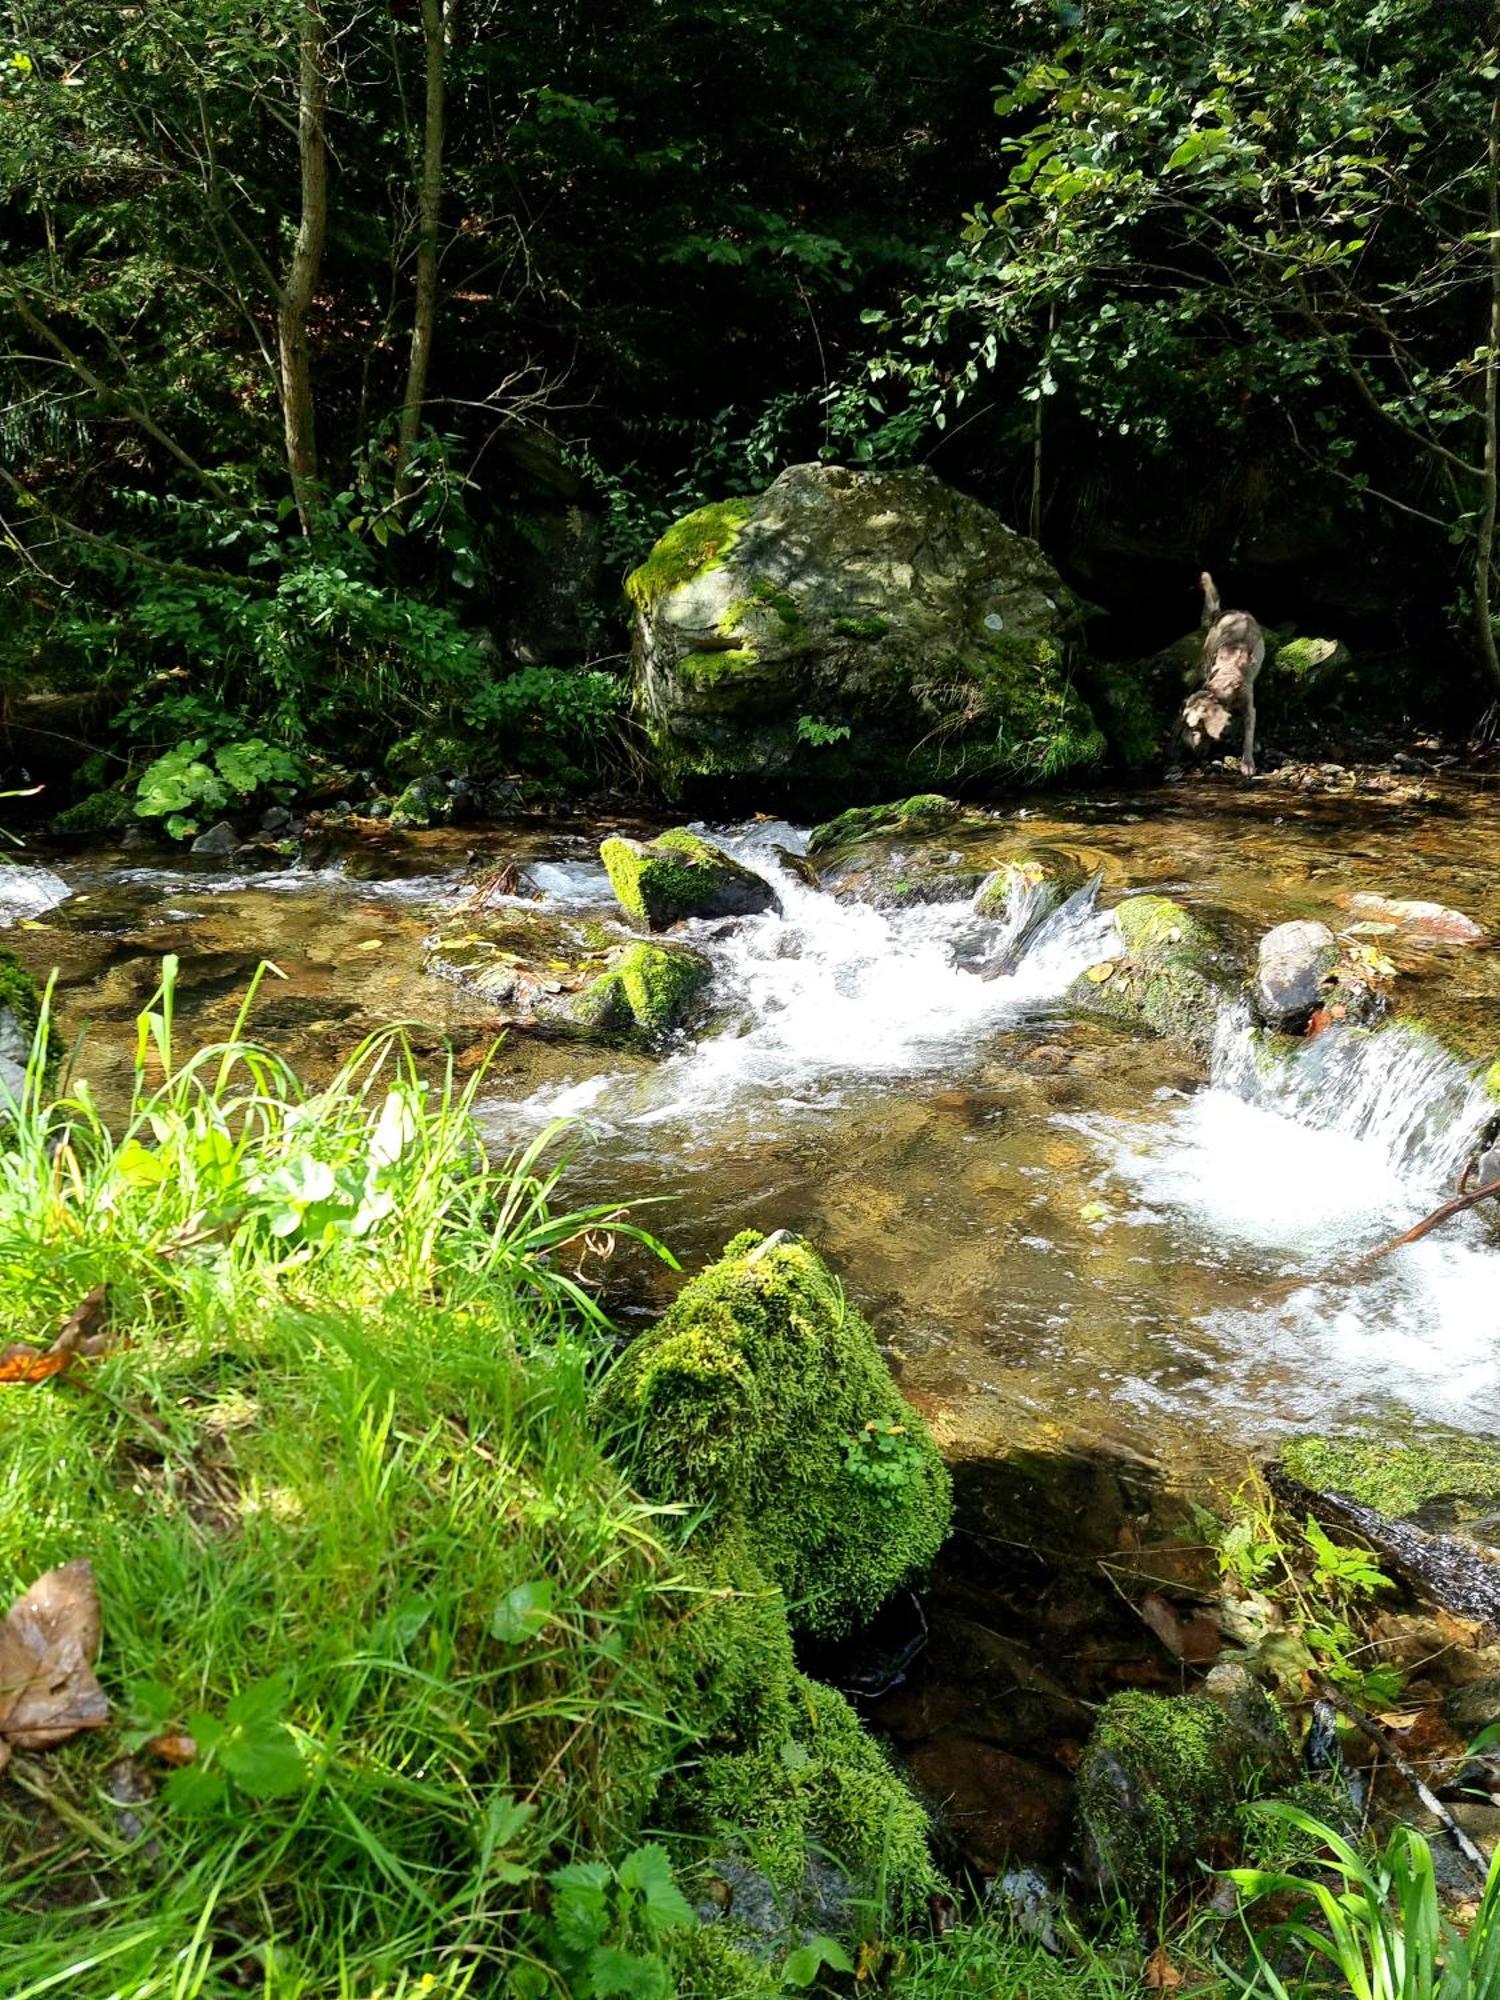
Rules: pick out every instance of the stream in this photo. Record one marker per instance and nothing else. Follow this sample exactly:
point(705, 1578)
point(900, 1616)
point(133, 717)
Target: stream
point(1062, 1232)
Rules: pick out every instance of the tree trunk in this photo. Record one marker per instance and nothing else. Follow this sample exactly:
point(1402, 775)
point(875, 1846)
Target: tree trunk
point(1484, 554)
point(297, 408)
point(429, 204)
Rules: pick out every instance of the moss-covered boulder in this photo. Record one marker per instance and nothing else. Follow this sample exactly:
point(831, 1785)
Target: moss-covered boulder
point(647, 991)
point(679, 875)
point(850, 631)
point(424, 802)
point(923, 813)
point(1163, 1779)
point(541, 969)
point(20, 1009)
point(1169, 976)
point(762, 1394)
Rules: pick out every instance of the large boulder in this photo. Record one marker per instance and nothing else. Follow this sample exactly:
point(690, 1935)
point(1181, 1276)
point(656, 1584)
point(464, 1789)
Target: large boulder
point(1168, 976)
point(856, 631)
point(679, 875)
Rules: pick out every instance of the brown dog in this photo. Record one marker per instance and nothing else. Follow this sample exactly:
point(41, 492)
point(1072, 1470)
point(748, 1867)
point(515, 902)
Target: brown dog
point(1233, 652)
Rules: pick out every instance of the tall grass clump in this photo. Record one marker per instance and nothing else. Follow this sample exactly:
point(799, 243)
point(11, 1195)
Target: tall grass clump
point(385, 1636)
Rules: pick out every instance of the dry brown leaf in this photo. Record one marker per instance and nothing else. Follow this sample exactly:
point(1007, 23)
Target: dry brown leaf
point(80, 1334)
point(49, 1640)
point(1162, 1976)
point(1195, 1639)
point(173, 1749)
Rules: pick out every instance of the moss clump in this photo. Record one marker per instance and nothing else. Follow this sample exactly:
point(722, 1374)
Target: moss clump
point(423, 801)
point(823, 1787)
point(708, 669)
point(20, 1011)
point(1167, 979)
point(680, 875)
point(1396, 1477)
point(1042, 726)
point(861, 628)
point(100, 812)
point(427, 751)
point(648, 990)
point(761, 1392)
point(699, 542)
point(923, 813)
point(1134, 723)
point(1301, 658)
point(1157, 1788)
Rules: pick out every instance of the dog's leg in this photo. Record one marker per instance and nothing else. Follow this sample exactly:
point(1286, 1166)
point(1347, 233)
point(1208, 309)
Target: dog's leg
point(1247, 758)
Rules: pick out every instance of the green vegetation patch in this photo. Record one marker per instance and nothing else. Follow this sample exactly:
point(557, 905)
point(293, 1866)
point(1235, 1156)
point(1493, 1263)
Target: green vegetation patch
point(99, 812)
point(697, 543)
point(650, 988)
point(762, 1392)
point(1167, 979)
point(1157, 1787)
point(1394, 1476)
point(711, 668)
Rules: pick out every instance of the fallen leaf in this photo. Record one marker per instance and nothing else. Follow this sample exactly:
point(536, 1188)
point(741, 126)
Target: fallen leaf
point(31, 1364)
point(1162, 1975)
point(370, 944)
point(1093, 1211)
point(173, 1749)
point(1097, 974)
point(1195, 1639)
point(49, 1640)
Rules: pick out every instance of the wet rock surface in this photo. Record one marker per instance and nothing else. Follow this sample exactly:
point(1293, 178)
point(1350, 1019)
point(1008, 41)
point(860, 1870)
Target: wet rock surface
point(1294, 968)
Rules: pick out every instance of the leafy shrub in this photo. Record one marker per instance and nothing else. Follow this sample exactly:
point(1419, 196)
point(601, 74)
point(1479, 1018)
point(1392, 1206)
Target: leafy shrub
point(184, 785)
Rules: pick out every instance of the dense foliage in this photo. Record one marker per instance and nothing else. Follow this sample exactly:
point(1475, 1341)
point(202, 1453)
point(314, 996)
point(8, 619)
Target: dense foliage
point(348, 358)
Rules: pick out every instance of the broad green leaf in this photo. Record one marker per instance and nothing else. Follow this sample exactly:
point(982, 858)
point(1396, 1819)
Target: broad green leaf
point(523, 1611)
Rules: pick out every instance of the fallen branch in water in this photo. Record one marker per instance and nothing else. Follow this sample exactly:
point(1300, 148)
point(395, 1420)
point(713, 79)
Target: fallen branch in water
point(1381, 1738)
point(1430, 1222)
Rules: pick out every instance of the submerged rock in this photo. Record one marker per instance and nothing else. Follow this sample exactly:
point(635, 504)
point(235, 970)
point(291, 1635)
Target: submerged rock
point(847, 630)
point(1431, 921)
point(1169, 977)
point(1163, 1777)
point(1294, 969)
point(680, 875)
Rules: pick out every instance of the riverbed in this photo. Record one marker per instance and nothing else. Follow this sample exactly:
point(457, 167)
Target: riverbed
point(1064, 1233)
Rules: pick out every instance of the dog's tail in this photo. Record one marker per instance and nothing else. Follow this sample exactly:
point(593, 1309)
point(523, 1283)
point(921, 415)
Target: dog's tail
point(1210, 599)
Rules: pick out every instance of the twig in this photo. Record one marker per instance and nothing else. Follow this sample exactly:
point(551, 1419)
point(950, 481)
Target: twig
point(1368, 1726)
point(1425, 1227)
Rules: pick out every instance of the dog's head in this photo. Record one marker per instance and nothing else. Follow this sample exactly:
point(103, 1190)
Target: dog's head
point(1205, 720)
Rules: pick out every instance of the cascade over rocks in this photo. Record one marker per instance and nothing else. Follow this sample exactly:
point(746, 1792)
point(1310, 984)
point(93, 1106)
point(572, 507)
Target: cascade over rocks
point(856, 630)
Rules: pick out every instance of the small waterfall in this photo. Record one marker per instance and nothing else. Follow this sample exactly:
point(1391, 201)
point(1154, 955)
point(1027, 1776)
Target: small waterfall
point(1394, 1088)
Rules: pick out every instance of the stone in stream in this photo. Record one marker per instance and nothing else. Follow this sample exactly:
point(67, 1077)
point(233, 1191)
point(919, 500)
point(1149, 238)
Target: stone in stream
point(1169, 978)
point(848, 631)
point(679, 875)
point(28, 892)
point(217, 844)
point(1431, 922)
point(1294, 969)
point(538, 969)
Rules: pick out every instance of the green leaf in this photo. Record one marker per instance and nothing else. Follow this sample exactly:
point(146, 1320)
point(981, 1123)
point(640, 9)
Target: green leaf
point(614, 1972)
point(803, 1965)
point(648, 1872)
point(523, 1611)
point(196, 1792)
point(266, 1764)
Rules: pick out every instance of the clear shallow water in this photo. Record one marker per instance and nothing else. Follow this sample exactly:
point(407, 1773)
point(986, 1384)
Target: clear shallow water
point(1061, 1231)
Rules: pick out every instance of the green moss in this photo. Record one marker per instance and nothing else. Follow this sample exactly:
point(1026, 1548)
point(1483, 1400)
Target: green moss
point(762, 1393)
point(1395, 1476)
point(1133, 721)
point(696, 544)
point(1050, 878)
point(709, 669)
point(778, 600)
point(823, 1790)
point(100, 812)
point(1301, 658)
point(21, 999)
point(1157, 1787)
point(1043, 728)
point(861, 628)
point(1156, 927)
point(428, 750)
point(923, 813)
point(1167, 979)
point(423, 801)
point(1492, 1080)
point(677, 875)
point(649, 989)
point(712, 1966)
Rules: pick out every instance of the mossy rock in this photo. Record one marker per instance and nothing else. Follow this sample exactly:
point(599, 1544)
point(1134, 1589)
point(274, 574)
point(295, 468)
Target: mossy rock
point(761, 1393)
point(539, 969)
point(424, 802)
point(100, 812)
point(20, 1011)
point(1164, 1778)
point(925, 812)
point(680, 875)
point(1398, 1477)
point(925, 637)
point(427, 753)
point(1169, 978)
point(649, 990)
point(823, 1815)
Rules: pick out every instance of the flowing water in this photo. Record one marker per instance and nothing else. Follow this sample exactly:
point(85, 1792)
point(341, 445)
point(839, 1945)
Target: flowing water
point(1063, 1232)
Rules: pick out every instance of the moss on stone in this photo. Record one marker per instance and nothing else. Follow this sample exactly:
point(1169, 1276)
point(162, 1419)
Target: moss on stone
point(100, 812)
point(1394, 1476)
point(1157, 1787)
point(647, 990)
point(1303, 657)
point(21, 1010)
point(861, 628)
point(679, 875)
point(761, 1393)
point(923, 813)
point(822, 1790)
point(423, 801)
point(1134, 723)
point(699, 542)
point(1167, 978)
point(708, 669)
